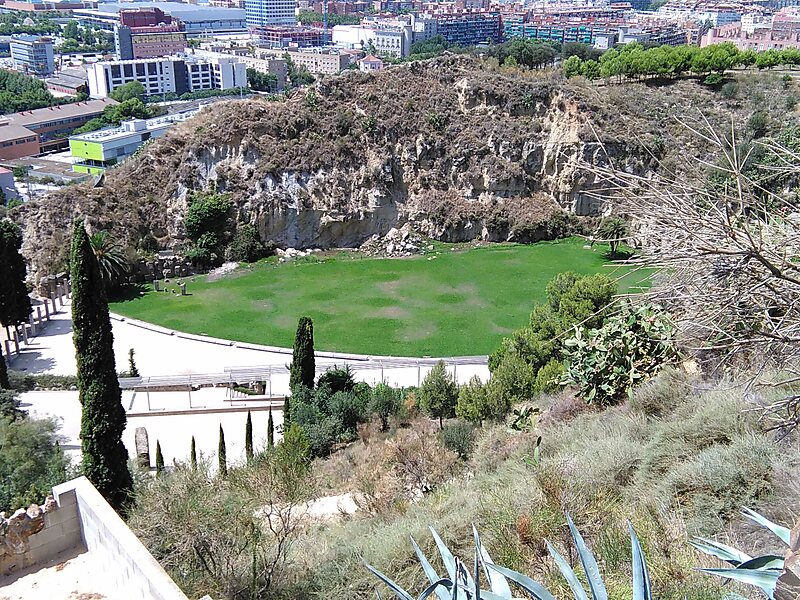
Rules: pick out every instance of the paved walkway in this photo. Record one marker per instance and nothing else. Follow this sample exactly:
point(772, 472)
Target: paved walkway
point(162, 352)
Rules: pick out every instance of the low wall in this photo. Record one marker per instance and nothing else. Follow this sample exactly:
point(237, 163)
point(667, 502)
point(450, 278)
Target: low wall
point(38, 534)
point(113, 546)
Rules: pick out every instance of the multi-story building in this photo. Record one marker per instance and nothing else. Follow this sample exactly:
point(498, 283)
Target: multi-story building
point(33, 54)
point(284, 37)
point(171, 75)
point(468, 28)
point(147, 33)
point(264, 13)
point(150, 41)
point(94, 152)
point(326, 63)
point(48, 5)
point(33, 132)
point(265, 61)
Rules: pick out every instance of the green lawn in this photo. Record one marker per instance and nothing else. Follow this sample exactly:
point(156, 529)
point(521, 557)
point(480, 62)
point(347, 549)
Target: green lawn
point(459, 303)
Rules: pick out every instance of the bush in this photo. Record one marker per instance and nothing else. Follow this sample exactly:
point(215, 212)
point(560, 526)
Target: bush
point(9, 405)
point(384, 402)
point(228, 537)
point(31, 461)
point(729, 90)
point(473, 401)
point(25, 382)
point(458, 437)
point(713, 79)
point(337, 379)
point(246, 245)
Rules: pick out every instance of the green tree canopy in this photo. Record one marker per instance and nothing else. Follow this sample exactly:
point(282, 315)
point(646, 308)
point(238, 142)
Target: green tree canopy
point(15, 303)
point(128, 91)
point(438, 393)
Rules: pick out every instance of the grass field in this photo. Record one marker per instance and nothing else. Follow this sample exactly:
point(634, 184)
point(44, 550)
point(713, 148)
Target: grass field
point(460, 303)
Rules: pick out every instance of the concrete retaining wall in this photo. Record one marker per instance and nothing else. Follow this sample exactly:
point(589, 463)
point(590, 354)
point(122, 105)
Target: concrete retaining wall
point(119, 554)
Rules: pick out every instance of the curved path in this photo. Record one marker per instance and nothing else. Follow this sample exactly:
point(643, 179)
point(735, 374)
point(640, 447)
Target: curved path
point(174, 417)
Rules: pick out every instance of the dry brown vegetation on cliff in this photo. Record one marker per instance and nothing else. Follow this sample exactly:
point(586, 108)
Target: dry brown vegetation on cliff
point(463, 148)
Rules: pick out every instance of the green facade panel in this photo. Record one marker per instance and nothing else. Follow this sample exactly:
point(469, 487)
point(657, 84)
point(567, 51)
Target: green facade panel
point(83, 149)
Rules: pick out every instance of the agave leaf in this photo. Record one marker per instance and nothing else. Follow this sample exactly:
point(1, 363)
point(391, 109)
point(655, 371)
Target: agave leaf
point(721, 551)
point(537, 590)
point(782, 532)
point(398, 591)
point(497, 583)
point(434, 587)
point(430, 572)
point(768, 561)
point(475, 591)
point(641, 579)
point(568, 573)
point(487, 595)
point(447, 557)
point(761, 578)
point(596, 585)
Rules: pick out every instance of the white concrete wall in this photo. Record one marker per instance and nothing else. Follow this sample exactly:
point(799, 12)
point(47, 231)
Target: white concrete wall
point(119, 554)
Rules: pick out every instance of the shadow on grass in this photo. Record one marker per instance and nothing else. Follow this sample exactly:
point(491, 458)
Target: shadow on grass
point(619, 255)
point(128, 292)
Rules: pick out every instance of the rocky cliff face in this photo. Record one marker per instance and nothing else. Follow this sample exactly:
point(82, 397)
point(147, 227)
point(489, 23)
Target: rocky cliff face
point(460, 150)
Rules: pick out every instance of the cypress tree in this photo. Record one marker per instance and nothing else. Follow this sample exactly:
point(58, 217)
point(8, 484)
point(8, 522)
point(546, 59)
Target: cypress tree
point(194, 455)
point(15, 303)
point(132, 370)
point(159, 459)
point(270, 430)
point(105, 459)
point(301, 371)
point(222, 454)
point(248, 438)
point(4, 383)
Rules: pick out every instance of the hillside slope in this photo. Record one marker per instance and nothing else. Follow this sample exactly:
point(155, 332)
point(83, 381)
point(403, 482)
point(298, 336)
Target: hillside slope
point(463, 149)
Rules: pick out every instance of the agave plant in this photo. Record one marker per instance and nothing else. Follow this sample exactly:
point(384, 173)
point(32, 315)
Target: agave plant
point(460, 582)
point(760, 571)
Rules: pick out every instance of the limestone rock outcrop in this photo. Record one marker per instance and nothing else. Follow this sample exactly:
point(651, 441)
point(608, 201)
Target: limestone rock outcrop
point(460, 150)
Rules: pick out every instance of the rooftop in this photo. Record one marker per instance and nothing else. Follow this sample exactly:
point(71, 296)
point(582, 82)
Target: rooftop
point(184, 12)
point(134, 127)
point(75, 109)
point(14, 132)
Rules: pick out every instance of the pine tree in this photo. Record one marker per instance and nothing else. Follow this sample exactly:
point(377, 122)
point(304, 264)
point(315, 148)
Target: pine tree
point(105, 459)
point(4, 383)
point(132, 370)
point(194, 455)
point(301, 371)
point(222, 453)
point(15, 303)
point(270, 430)
point(159, 459)
point(248, 438)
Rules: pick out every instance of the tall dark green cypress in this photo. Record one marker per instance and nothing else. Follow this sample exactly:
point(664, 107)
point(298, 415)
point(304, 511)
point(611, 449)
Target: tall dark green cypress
point(301, 371)
point(270, 430)
point(159, 459)
point(248, 438)
point(4, 383)
point(15, 303)
point(194, 455)
point(105, 459)
point(222, 453)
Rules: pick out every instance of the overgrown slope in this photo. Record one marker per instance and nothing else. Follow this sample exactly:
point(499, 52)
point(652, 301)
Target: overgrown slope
point(464, 149)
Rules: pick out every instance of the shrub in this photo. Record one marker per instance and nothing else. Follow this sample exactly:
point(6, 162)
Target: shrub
point(473, 401)
point(337, 379)
point(246, 245)
point(384, 402)
point(713, 79)
point(31, 461)
point(606, 363)
point(458, 437)
point(729, 90)
point(512, 382)
point(9, 405)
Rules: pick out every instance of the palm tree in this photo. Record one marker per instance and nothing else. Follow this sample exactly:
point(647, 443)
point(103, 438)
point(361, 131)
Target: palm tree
point(110, 257)
point(613, 230)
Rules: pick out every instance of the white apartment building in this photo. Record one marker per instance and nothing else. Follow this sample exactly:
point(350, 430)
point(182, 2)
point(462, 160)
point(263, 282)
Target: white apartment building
point(171, 75)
